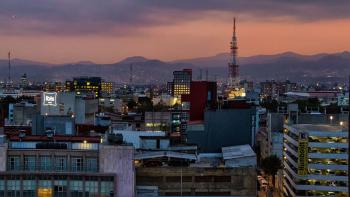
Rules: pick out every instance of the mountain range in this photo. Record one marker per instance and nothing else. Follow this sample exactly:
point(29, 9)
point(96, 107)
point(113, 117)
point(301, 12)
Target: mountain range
point(324, 67)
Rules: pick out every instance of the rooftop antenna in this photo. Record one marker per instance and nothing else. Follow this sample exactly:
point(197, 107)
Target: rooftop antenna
point(131, 74)
point(206, 74)
point(9, 74)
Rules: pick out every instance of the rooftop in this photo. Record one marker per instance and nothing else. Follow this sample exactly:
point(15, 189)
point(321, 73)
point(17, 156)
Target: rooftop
point(233, 152)
point(319, 127)
point(58, 138)
point(168, 154)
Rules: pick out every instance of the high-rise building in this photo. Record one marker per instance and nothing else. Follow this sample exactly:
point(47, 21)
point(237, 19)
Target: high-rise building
point(107, 87)
point(54, 86)
point(316, 160)
point(69, 86)
point(202, 97)
point(181, 83)
point(88, 86)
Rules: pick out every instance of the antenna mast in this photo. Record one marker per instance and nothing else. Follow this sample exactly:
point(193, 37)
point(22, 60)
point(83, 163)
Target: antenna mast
point(131, 74)
point(9, 74)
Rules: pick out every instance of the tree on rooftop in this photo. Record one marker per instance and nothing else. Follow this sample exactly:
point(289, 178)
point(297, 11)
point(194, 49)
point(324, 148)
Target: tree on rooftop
point(271, 165)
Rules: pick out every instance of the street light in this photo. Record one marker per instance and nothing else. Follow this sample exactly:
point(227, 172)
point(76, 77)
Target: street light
point(331, 119)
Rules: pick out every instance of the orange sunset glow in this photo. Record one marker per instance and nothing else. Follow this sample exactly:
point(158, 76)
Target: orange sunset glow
point(166, 36)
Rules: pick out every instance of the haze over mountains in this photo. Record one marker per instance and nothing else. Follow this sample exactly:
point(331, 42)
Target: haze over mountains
point(295, 67)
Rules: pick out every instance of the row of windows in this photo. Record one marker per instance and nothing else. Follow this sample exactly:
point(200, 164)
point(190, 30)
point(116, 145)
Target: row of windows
point(328, 172)
point(56, 188)
point(328, 139)
point(315, 192)
point(329, 161)
point(48, 163)
point(328, 150)
point(86, 87)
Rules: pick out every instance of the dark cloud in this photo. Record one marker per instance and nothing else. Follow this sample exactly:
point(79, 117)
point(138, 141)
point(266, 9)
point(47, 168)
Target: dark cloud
point(77, 17)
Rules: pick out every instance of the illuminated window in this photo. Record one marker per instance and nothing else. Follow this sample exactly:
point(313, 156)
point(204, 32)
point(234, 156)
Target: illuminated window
point(45, 188)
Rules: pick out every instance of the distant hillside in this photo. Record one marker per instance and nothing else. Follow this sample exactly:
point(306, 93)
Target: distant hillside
point(288, 65)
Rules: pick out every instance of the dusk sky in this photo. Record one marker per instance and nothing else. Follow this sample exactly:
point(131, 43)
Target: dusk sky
point(106, 31)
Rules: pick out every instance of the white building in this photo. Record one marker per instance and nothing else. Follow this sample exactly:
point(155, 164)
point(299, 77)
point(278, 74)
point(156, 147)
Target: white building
point(134, 137)
point(315, 160)
point(68, 103)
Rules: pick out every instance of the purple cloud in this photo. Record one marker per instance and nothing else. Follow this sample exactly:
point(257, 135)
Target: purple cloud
point(121, 17)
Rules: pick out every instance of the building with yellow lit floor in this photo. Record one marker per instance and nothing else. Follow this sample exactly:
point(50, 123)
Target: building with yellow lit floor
point(316, 160)
point(60, 166)
point(234, 93)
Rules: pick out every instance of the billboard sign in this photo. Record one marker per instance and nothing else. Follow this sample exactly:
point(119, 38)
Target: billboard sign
point(50, 98)
point(303, 154)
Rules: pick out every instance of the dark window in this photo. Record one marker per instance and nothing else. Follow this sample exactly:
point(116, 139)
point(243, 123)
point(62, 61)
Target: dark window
point(91, 164)
point(14, 163)
point(203, 179)
point(77, 164)
point(29, 163)
point(61, 163)
point(222, 179)
point(45, 163)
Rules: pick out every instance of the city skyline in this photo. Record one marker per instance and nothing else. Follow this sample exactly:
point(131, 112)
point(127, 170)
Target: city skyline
point(70, 31)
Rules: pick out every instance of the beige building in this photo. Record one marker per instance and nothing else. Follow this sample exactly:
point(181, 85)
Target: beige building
point(69, 166)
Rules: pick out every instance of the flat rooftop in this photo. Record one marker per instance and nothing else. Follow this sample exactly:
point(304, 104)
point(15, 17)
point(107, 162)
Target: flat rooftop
point(319, 127)
point(234, 152)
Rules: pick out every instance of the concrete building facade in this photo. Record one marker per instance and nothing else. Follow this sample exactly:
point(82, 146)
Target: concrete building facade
point(316, 160)
point(68, 103)
point(157, 121)
point(67, 166)
point(227, 127)
point(197, 181)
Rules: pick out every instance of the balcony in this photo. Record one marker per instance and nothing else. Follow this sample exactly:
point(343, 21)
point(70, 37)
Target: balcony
point(328, 166)
point(328, 155)
point(328, 145)
point(313, 176)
